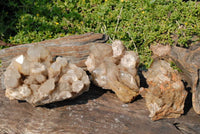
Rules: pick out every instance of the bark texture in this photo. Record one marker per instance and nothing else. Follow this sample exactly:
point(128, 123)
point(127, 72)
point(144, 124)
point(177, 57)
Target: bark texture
point(97, 111)
point(73, 48)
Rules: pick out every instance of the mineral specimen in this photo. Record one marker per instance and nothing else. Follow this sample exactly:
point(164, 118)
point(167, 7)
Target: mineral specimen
point(39, 80)
point(188, 60)
point(165, 96)
point(112, 67)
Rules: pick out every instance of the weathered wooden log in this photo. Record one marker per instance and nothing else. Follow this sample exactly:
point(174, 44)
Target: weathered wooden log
point(74, 48)
point(89, 114)
point(97, 111)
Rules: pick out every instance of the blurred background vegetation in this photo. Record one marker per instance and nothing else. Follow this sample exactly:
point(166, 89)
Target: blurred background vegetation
point(138, 23)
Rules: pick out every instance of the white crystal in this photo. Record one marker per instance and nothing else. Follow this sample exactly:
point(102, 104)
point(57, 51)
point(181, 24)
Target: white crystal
point(20, 59)
point(130, 59)
point(37, 80)
point(165, 95)
point(77, 86)
point(24, 91)
point(118, 48)
point(37, 52)
point(114, 68)
point(37, 68)
point(90, 63)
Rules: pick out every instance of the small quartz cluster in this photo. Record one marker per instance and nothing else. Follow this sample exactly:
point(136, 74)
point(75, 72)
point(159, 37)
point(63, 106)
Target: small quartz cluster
point(39, 80)
point(188, 60)
point(112, 67)
point(165, 96)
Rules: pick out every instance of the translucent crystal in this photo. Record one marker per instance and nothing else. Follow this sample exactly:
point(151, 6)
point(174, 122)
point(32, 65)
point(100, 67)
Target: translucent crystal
point(130, 60)
point(112, 67)
point(25, 67)
point(165, 95)
point(37, 53)
point(20, 59)
point(37, 68)
point(35, 78)
point(118, 48)
point(13, 78)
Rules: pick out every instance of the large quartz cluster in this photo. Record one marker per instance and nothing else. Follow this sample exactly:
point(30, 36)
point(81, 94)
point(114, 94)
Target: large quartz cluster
point(112, 67)
point(165, 96)
point(39, 80)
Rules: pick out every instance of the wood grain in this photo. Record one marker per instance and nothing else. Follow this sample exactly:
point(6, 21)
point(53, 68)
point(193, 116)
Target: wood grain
point(95, 112)
point(74, 48)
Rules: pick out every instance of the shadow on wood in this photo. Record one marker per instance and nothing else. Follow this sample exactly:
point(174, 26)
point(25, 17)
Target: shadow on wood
point(97, 111)
point(93, 93)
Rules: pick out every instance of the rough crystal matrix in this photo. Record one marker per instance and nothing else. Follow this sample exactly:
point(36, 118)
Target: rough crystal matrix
point(39, 80)
point(165, 96)
point(112, 67)
point(188, 60)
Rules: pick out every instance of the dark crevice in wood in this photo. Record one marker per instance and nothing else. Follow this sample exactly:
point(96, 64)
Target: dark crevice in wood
point(188, 100)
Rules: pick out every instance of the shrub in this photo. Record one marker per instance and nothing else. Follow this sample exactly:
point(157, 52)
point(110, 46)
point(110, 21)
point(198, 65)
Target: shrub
point(138, 23)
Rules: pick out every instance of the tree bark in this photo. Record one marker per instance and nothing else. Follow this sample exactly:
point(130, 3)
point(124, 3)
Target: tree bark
point(96, 111)
point(73, 48)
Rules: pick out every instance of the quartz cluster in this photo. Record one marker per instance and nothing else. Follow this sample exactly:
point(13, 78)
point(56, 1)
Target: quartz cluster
point(188, 60)
point(165, 96)
point(39, 80)
point(112, 67)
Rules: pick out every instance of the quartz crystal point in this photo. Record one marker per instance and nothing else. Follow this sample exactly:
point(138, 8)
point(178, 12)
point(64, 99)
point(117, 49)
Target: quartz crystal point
point(188, 60)
point(165, 96)
point(112, 67)
point(34, 77)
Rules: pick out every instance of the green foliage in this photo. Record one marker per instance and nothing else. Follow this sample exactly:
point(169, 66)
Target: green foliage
point(138, 23)
point(174, 66)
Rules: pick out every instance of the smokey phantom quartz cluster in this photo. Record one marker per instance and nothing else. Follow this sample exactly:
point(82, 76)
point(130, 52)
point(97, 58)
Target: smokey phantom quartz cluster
point(165, 96)
point(39, 80)
point(112, 67)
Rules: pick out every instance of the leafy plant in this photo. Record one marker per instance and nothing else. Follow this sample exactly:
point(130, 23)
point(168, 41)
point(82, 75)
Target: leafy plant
point(137, 23)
